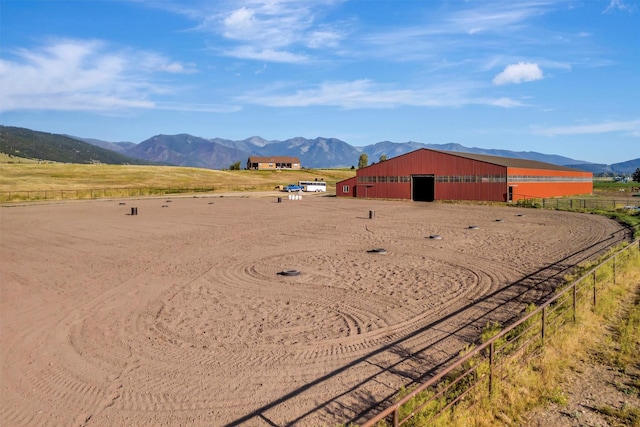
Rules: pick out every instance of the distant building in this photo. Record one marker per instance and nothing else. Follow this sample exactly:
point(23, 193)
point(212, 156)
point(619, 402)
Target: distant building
point(272, 163)
point(428, 175)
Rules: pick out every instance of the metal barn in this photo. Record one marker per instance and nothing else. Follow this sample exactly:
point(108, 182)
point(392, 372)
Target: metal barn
point(428, 175)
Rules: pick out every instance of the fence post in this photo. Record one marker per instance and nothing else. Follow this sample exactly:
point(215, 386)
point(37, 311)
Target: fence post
point(543, 322)
point(491, 351)
point(594, 288)
point(395, 416)
point(575, 300)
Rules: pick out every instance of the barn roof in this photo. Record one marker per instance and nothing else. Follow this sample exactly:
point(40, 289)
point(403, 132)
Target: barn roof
point(509, 161)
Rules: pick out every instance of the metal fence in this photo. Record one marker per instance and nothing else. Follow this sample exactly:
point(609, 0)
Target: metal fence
point(569, 203)
point(100, 193)
point(482, 367)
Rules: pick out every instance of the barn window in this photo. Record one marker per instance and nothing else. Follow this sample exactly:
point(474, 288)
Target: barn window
point(345, 189)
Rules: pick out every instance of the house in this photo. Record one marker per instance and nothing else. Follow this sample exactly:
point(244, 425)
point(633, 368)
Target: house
point(272, 163)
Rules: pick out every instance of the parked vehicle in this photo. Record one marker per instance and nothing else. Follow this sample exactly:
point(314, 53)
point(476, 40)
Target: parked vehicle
point(313, 186)
point(293, 187)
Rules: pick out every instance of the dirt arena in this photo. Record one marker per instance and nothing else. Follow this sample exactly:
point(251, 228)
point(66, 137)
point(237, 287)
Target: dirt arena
point(177, 315)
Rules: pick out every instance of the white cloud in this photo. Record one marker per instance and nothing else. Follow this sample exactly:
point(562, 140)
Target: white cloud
point(505, 103)
point(518, 73)
point(471, 31)
point(82, 75)
point(240, 23)
point(152, 62)
point(197, 108)
point(631, 127)
point(272, 30)
point(619, 5)
point(323, 38)
point(365, 93)
point(492, 16)
point(268, 55)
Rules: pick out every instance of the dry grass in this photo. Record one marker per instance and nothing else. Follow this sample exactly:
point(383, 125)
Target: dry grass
point(610, 331)
point(33, 177)
point(542, 380)
point(7, 159)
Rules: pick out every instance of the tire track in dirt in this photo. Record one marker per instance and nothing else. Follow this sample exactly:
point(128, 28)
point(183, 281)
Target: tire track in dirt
point(162, 314)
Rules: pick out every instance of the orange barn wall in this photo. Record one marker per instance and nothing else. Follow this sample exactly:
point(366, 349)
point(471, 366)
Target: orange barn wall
point(525, 190)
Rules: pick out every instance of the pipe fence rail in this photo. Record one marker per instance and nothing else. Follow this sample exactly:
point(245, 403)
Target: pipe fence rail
point(483, 367)
point(571, 203)
point(101, 193)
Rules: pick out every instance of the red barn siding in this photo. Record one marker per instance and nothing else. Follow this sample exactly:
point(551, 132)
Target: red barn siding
point(493, 192)
point(425, 162)
point(456, 177)
point(350, 183)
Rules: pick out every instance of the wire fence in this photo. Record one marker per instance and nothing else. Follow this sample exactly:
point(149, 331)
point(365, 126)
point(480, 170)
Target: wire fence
point(101, 193)
point(482, 368)
point(577, 204)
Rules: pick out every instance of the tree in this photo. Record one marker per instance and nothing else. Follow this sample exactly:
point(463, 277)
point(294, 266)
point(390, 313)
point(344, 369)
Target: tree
point(383, 157)
point(636, 175)
point(363, 161)
point(235, 166)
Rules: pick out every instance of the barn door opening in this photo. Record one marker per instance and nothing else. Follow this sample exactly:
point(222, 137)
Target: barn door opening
point(423, 188)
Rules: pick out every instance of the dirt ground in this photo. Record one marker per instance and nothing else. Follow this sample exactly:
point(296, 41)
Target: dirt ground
point(592, 386)
point(178, 316)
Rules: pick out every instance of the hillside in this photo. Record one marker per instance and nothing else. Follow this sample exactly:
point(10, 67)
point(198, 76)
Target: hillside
point(26, 143)
point(623, 168)
point(218, 153)
point(187, 150)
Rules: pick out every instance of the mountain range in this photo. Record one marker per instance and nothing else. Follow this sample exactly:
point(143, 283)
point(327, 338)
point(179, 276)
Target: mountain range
point(219, 153)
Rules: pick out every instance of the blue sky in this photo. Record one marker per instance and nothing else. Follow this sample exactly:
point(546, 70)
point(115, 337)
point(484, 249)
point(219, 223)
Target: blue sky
point(558, 77)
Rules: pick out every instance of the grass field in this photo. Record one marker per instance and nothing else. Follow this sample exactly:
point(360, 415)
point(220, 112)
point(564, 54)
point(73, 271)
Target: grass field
point(62, 178)
point(23, 175)
point(613, 189)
